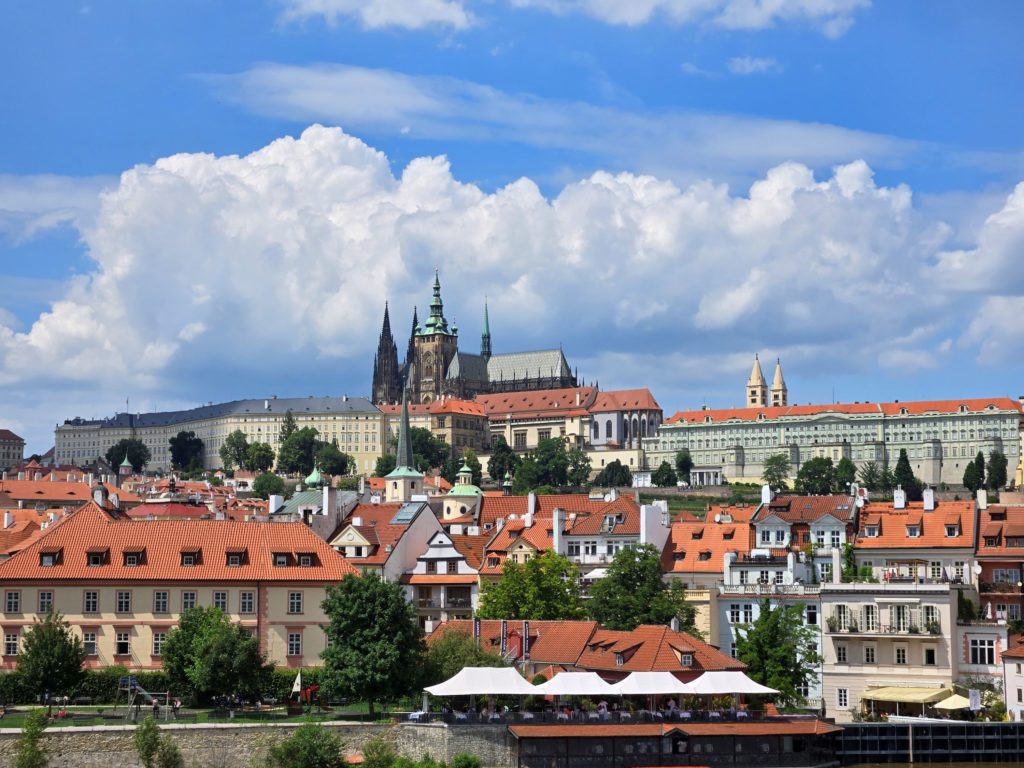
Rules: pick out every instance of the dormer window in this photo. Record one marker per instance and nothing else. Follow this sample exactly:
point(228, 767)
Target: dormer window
point(991, 541)
point(686, 659)
point(705, 555)
point(280, 559)
point(728, 535)
point(305, 561)
point(234, 559)
point(698, 534)
point(132, 559)
point(96, 557)
point(679, 556)
point(913, 531)
point(189, 559)
point(871, 531)
point(48, 559)
point(952, 531)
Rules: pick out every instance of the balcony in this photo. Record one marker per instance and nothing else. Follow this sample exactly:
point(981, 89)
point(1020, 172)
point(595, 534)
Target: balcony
point(761, 560)
point(933, 629)
point(769, 589)
point(1000, 587)
point(435, 603)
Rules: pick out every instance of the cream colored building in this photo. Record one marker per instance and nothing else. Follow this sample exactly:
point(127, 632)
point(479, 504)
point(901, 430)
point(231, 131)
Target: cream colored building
point(354, 423)
point(123, 584)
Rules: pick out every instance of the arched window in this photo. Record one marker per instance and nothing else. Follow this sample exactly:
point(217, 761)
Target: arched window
point(608, 429)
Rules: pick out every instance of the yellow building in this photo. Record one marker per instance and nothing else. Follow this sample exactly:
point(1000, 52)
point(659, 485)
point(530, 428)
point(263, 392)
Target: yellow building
point(122, 584)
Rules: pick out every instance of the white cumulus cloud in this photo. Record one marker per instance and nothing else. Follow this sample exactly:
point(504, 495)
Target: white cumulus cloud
point(752, 65)
point(376, 14)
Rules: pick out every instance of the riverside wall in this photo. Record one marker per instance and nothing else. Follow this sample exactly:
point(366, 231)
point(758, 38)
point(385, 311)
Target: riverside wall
point(239, 746)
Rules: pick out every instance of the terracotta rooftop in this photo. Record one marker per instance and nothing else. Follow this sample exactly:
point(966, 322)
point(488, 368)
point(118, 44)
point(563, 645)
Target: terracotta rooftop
point(932, 526)
point(807, 509)
point(448, 405)
point(161, 545)
point(55, 491)
point(700, 547)
point(625, 400)
point(551, 642)
point(1002, 532)
point(539, 402)
point(6, 434)
point(654, 648)
point(375, 526)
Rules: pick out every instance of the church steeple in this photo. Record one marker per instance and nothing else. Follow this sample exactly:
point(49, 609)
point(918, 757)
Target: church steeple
point(386, 379)
point(404, 480)
point(485, 338)
point(780, 394)
point(410, 351)
point(436, 322)
point(757, 389)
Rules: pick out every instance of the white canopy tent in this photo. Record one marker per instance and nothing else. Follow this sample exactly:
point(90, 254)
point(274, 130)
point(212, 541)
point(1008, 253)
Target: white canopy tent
point(484, 681)
point(651, 683)
point(726, 682)
point(577, 684)
point(956, 701)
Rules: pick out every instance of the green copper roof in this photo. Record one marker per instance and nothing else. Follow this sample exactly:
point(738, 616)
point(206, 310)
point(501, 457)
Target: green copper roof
point(465, 489)
point(126, 463)
point(315, 478)
point(405, 466)
point(436, 322)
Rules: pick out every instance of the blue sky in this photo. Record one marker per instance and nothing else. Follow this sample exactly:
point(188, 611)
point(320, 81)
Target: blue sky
point(652, 184)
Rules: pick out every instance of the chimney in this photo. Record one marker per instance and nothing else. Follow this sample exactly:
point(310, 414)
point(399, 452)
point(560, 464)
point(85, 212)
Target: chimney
point(766, 494)
point(89, 479)
point(613, 494)
point(499, 523)
point(53, 517)
point(274, 503)
point(362, 484)
point(674, 624)
point(982, 499)
point(357, 521)
point(37, 476)
point(21, 475)
point(557, 516)
point(99, 495)
point(727, 561)
point(8, 519)
point(577, 397)
point(52, 476)
point(531, 503)
point(929, 500)
point(219, 514)
point(899, 498)
point(837, 566)
point(4, 476)
point(455, 530)
point(528, 520)
point(115, 501)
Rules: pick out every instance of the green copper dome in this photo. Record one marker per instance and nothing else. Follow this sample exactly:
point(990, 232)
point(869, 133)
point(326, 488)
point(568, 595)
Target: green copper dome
point(315, 478)
point(126, 463)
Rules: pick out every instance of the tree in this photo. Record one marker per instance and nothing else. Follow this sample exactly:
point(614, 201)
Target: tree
point(776, 471)
point(333, 461)
point(52, 656)
point(235, 450)
point(385, 465)
point(375, 640)
point(169, 756)
point(614, 475)
point(288, 425)
point(870, 476)
point(298, 452)
point(979, 462)
point(552, 461)
point(147, 741)
point(211, 656)
point(664, 476)
point(503, 460)
point(452, 652)
point(996, 479)
point(816, 477)
point(633, 593)
point(544, 587)
point(28, 752)
point(903, 476)
point(138, 453)
point(186, 451)
point(259, 457)
point(428, 452)
point(579, 467)
point(310, 746)
point(469, 459)
point(527, 477)
point(780, 651)
point(684, 463)
point(846, 474)
point(267, 485)
point(972, 482)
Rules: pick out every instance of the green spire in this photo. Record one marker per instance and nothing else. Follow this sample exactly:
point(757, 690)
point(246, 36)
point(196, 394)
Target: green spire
point(405, 465)
point(485, 339)
point(436, 322)
point(315, 479)
point(126, 463)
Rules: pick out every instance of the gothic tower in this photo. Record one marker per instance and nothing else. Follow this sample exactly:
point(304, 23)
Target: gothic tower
point(404, 481)
point(485, 338)
point(435, 347)
point(780, 395)
point(757, 388)
point(386, 378)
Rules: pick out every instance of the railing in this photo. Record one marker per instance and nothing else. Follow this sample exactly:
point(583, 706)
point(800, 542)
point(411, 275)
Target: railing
point(1001, 587)
point(769, 589)
point(451, 602)
point(885, 629)
point(584, 717)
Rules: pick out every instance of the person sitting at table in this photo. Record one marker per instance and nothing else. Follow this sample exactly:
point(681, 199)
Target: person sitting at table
point(670, 708)
point(602, 709)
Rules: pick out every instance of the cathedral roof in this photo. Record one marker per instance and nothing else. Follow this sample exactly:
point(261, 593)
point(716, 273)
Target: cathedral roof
point(528, 365)
point(467, 366)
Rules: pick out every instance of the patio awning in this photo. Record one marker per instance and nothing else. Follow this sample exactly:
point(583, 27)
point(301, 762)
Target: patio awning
point(727, 681)
point(484, 681)
point(956, 701)
point(648, 683)
point(906, 695)
point(577, 684)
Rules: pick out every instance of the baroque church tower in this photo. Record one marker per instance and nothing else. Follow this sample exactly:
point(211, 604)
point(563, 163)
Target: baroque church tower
point(387, 380)
point(757, 388)
point(780, 395)
point(435, 347)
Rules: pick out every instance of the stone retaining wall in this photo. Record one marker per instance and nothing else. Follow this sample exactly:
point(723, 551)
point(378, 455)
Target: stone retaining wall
point(235, 746)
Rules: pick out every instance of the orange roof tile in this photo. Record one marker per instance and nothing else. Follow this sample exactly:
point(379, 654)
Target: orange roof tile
point(375, 526)
point(539, 402)
point(893, 524)
point(551, 642)
point(91, 529)
point(807, 509)
point(718, 415)
point(700, 547)
point(1002, 523)
point(55, 491)
point(655, 648)
point(625, 400)
point(471, 547)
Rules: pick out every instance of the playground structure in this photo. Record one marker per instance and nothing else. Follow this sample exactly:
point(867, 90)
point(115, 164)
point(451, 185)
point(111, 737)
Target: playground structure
point(136, 696)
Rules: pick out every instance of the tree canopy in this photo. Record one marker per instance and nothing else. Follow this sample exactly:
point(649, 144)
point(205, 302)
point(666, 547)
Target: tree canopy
point(186, 451)
point(235, 450)
point(579, 467)
point(664, 476)
point(51, 656)
point(870, 476)
point(780, 651)
point(385, 465)
point(614, 475)
point(633, 593)
point(547, 464)
point(311, 745)
point(544, 587)
point(138, 453)
point(429, 452)
point(259, 457)
point(211, 656)
point(333, 461)
point(684, 463)
point(776, 471)
point(288, 425)
point(297, 453)
point(903, 476)
point(450, 653)
point(996, 479)
point(846, 474)
point(503, 460)
point(267, 485)
point(375, 640)
point(816, 477)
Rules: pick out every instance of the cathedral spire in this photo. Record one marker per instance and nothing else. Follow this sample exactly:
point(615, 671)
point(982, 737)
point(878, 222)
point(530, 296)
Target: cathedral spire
point(485, 338)
point(436, 322)
point(410, 351)
point(386, 379)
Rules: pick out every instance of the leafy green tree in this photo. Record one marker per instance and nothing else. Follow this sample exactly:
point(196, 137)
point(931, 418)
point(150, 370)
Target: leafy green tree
point(776, 471)
point(469, 459)
point(664, 476)
point(971, 480)
point(147, 741)
point(450, 470)
point(996, 479)
point(186, 451)
point(310, 746)
point(544, 587)
point(169, 755)
point(138, 453)
point(846, 474)
point(298, 452)
point(684, 463)
point(780, 651)
point(51, 656)
point(870, 476)
point(375, 640)
point(288, 425)
point(450, 653)
point(503, 460)
point(578, 473)
point(333, 461)
point(380, 752)
point(888, 481)
point(633, 593)
point(259, 457)
point(614, 475)
point(385, 465)
point(267, 485)
point(903, 476)
point(211, 656)
point(528, 476)
point(429, 452)
point(28, 751)
point(816, 477)
point(234, 452)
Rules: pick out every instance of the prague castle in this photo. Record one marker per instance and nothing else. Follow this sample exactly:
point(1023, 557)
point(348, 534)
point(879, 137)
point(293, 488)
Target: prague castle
point(434, 367)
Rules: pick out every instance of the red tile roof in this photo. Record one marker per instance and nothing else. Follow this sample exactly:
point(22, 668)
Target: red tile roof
point(449, 405)
point(651, 647)
point(700, 547)
point(90, 529)
point(6, 434)
point(55, 491)
point(167, 510)
point(719, 415)
point(807, 509)
point(551, 642)
point(625, 400)
point(893, 525)
point(376, 527)
point(539, 402)
point(1002, 523)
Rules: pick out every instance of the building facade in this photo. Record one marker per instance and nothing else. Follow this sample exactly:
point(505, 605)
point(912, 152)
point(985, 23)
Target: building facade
point(12, 449)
